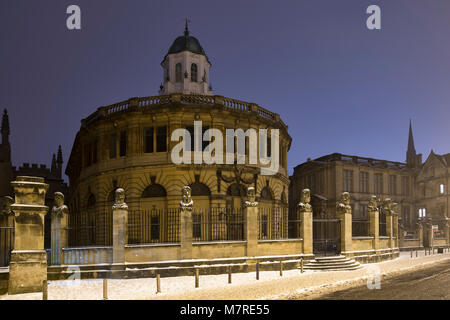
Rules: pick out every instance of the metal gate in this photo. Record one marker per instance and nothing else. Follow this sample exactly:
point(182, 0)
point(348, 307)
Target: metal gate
point(326, 237)
point(6, 245)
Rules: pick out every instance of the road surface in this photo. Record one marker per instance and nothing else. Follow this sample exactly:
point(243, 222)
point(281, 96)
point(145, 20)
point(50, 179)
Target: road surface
point(432, 282)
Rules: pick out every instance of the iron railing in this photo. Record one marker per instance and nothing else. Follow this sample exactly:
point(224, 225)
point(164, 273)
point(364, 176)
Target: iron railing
point(360, 228)
point(154, 226)
point(272, 223)
point(6, 245)
point(218, 224)
point(90, 229)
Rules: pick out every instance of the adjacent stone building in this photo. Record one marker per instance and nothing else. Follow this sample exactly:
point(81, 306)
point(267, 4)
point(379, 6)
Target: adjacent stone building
point(420, 189)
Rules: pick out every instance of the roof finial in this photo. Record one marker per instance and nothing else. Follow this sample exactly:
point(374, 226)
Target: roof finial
point(186, 30)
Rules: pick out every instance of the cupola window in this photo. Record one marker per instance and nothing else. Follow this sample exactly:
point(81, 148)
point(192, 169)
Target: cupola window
point(193, 72)
point(178, 72)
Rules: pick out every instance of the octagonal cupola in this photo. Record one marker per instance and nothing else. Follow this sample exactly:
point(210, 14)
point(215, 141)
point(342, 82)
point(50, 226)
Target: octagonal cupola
point(186, 67)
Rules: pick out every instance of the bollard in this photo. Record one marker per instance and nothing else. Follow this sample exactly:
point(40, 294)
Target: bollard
point(229, 274)
point(416, 253)
point(158, 283)
point(197, 278)
point(257, 271)
point(301, 265)
point(105, 289)
point(281, 268)
point(411, 253)
point(44, 290)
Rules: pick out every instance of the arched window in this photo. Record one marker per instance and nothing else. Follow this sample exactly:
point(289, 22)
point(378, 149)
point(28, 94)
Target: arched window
point(266, 194)
point(178, 72)
point(154, 191)
point(193, 72)
point(199, 189)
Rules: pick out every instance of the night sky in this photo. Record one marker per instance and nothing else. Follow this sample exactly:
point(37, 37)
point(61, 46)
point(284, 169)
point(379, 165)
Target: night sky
point(338, 86)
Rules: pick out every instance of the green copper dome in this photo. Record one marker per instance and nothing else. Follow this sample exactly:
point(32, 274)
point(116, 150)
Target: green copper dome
point(186, 43)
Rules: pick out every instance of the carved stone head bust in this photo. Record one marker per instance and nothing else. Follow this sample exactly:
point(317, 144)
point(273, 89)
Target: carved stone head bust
point(251, 198)
point(186, 202)
point(7, 202)
point(120, 196)
point(186, 194)
point(345, 198)
point(59, 199)
point(373, 203)
point(119, 202)
point(306, 196)
point(251, 194)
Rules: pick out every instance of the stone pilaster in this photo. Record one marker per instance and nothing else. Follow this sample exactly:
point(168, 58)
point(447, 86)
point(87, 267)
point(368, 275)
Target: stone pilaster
point(304, 211)
point(374, 222)
point(429, 233)
point(186, 227)
point(394, 230)
point(344, 213)
point(59, 231)
point(28, 265)
point(251, 223)
point(447, 231)
point(420, 233)
point(120, 229)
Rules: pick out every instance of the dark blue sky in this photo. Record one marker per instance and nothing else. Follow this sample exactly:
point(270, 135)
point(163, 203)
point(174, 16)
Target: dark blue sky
point(339, 86)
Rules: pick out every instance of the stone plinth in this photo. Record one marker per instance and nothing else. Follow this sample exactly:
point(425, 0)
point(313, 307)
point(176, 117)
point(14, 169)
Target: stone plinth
point(251, 230)
point(186, 233)
point(120, 235)
point(28, 266)
point(374, 226)
point(306, 216)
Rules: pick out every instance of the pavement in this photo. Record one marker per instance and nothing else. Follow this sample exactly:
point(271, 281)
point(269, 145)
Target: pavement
point(244, 286)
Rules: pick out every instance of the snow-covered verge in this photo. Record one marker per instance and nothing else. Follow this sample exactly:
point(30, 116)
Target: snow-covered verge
point(244, 285)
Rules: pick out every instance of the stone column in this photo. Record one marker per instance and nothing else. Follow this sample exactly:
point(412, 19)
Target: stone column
point(120, 229)
point(395, 229)
point(429, 232)
point(374, 221)
point(28, 265)
point(447, 231)
point(344, 213)
point(186, 228)
point(251, 222)
point(420, 233)
point(387, 210)
point(305, 213)
point(59, 232)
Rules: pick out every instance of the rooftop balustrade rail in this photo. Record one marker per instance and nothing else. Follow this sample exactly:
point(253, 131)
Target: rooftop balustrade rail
point(227, 103)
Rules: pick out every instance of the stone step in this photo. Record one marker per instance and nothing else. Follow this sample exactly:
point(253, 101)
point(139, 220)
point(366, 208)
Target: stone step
point(346, 263)
point(331, 258)
point(334, 263)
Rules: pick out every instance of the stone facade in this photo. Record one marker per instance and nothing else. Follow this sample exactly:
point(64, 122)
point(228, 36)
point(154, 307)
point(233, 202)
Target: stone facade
point(128, 145)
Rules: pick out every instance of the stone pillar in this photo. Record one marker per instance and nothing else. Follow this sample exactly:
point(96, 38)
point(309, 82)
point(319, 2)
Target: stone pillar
point(387, 210)
point(344, 213)
point(120, 229)
point(447, 231)
point(420, 233)
point(59, 232)
point(28, 265)
point(429, 233)
point(186, 228)
point(305, 213)
point(374, 222)
point(251, 222)
point(395, 230)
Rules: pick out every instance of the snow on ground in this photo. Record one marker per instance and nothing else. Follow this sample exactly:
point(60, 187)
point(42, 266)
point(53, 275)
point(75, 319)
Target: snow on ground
point(244, 285)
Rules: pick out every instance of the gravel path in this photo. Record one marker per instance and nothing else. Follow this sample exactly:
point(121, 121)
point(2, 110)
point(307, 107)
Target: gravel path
point(244, 285)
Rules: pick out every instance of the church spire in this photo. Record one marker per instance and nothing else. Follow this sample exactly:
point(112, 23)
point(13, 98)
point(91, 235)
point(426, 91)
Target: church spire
point(5, 127)
point(411, 155)
point(411, 148)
